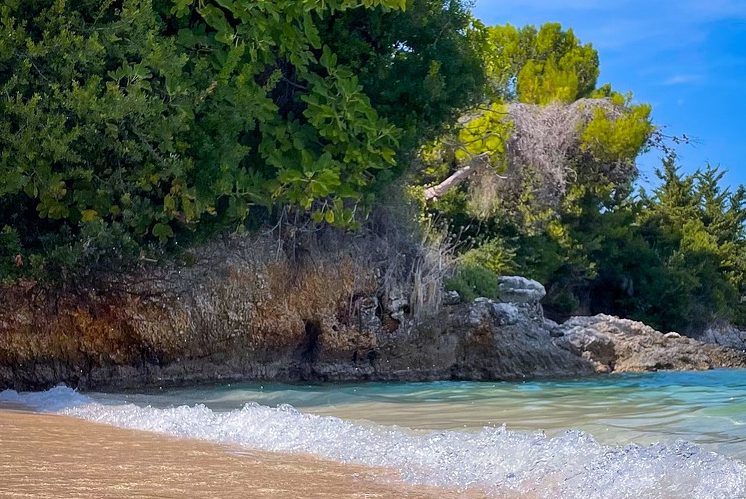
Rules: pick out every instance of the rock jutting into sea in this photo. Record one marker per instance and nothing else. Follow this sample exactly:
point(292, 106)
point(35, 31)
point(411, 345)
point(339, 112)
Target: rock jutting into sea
point(237, 311)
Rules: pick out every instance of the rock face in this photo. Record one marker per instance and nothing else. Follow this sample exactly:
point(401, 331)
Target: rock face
point(239, 313)
point(725, 335)
point(613, 344)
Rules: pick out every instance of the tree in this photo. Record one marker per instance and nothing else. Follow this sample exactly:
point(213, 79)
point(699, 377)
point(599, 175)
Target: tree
point(125, 126)
point(420, 66)
point(539, 66)
point(673, 259)
point(548, 127)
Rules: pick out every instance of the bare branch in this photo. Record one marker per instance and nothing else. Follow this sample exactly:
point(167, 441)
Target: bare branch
point(457, 177)
point(540, 155)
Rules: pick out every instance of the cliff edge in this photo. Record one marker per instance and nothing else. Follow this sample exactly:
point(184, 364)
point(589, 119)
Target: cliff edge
point(240, 311)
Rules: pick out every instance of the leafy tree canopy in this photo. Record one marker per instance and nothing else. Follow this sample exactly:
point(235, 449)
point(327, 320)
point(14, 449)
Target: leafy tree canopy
point(539, 66)
point(420, 66)
point(126, 126)
point(545, 129)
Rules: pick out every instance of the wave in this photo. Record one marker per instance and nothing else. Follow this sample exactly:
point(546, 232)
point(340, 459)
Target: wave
point(496, 460)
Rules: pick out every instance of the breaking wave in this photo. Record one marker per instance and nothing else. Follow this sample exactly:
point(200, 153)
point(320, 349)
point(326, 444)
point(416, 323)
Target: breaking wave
point(496, 460)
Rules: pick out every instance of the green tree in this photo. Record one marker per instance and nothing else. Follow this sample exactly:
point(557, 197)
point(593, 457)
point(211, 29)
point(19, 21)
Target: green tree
point(539, 66)
point(125, 126)
point(545, 128)
point(420, 66)
point(547, 142)
point(673, 259)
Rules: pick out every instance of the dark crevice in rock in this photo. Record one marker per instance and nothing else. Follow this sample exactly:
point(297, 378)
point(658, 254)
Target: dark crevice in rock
point(308, 351)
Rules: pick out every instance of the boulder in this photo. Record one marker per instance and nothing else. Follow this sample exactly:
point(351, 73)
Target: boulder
point(614, 344)
point(517, 289)
point(725, 335)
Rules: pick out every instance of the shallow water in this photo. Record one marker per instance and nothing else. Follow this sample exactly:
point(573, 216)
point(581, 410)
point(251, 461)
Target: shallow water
point(707, 408)
point(450, 433)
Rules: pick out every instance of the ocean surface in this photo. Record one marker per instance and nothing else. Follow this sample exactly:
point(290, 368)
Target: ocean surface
point(665, 434)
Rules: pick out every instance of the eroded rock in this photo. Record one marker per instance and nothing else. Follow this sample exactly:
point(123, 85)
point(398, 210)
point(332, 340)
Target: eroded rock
point(725, 335)
point(239, 313)
point(619, 345)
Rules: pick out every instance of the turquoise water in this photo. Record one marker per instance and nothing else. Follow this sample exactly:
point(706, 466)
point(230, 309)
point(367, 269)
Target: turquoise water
point(707, 408)
point(658, 435)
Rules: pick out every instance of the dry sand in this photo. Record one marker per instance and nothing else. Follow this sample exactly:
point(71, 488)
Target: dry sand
point(43, 455)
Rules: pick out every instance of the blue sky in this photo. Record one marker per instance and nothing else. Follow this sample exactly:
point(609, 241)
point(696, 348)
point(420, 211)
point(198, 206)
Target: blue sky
point(686, 57)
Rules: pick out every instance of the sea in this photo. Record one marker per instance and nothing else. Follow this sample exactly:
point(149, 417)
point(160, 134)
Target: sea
point(656, 435)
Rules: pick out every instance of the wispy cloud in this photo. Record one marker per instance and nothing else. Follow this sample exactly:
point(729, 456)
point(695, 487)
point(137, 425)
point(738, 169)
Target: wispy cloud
point(716, 9)
point(680, 79)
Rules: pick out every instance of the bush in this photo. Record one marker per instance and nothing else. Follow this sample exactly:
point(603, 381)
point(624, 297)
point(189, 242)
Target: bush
point(493, 254)
point(472, 281)
point(127, 126)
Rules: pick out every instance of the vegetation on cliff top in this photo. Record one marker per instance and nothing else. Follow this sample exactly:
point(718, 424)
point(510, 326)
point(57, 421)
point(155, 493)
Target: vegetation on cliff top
point(132, 127)
point(550, 194)
point(129, 126)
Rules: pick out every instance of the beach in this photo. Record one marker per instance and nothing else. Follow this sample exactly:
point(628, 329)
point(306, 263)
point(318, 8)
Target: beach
point(45, 455)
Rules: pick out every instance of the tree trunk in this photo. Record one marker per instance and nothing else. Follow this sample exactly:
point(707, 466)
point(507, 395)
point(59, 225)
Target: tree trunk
point(457, 177)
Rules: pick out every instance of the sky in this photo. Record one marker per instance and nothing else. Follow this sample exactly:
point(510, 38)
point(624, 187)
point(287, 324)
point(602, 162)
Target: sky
point(687, 58)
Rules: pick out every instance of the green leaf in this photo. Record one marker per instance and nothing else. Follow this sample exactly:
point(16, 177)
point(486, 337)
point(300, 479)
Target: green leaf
point(329, 217)
point(215, 17)
point(88, 215)
point(162, 231)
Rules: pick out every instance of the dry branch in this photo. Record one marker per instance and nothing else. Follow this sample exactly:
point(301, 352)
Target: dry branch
point(540, 155)
point(457, 177)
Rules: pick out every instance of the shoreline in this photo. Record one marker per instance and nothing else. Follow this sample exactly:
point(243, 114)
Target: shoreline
point(49, 455)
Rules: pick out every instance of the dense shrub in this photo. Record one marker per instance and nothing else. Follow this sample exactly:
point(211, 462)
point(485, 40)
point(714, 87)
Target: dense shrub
point(472, 281)
point(130, 126)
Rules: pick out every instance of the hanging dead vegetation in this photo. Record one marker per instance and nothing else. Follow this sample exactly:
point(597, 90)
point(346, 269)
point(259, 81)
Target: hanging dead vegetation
point(545, 152)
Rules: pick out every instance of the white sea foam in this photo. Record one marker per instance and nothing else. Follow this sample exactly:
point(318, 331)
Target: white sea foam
point(494, 459)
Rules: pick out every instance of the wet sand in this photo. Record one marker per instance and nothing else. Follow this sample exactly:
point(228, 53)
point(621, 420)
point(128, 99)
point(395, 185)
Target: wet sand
point(44, 456)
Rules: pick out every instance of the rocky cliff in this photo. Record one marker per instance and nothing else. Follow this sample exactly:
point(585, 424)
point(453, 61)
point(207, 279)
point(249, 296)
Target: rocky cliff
point(238, 311)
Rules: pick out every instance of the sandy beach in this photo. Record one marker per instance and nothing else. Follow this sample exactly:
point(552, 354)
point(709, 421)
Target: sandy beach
point(43, 455)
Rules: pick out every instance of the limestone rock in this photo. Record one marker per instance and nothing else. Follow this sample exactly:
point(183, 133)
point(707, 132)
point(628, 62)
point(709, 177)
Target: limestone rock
point(369, 320)
point(397, 303)
point(517, 289)
point(236, 314)
point(725, 335)
point(614, 344)
point(451, 298)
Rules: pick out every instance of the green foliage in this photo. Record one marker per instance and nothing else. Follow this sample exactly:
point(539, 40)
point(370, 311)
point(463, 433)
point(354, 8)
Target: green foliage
point(487, 132)
point(420, 66)
point(472, 281)
point(620, 139)
point(494, 255)
point(127, 127)
point(675, 259)
point(10, 247)
point(539, 137)
point(539, 66)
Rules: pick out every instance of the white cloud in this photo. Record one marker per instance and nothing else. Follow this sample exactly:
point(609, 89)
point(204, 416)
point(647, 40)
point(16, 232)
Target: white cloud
point(679, 79)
